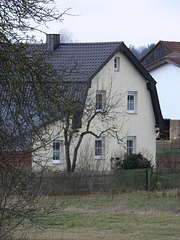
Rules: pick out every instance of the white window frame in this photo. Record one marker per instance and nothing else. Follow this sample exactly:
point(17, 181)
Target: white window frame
point(116, 64)
point(102, 103)
point(129, 148)
point(57, 151)
point(131, 110)
point(97, 148)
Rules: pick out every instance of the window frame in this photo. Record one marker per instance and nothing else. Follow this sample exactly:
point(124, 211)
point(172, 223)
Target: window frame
point(116, 63)
point(134, 94)
point(59, 151)
point(102, 102)
point(99, 156)
point(132, 139)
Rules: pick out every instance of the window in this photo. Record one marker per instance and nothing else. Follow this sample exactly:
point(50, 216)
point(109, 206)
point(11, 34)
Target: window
point(77, 120)
point(99, 147)
point(130, 145)
point(100, 96)
point(57, 145)
point(116, 64)
point(131, 102)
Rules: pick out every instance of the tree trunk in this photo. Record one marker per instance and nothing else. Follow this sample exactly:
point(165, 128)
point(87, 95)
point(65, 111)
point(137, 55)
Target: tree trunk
point(67, 146)
point(76, 152)
point(68, 160)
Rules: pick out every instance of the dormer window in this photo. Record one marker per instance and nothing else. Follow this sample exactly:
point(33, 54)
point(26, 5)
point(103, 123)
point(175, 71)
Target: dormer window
point(116, 64)
point(100, 101)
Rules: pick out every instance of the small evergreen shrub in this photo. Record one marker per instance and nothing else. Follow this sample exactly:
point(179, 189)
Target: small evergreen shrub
point(135, 161)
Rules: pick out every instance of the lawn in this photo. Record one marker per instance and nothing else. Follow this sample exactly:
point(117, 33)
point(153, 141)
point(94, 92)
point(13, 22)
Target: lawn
point(133, 215)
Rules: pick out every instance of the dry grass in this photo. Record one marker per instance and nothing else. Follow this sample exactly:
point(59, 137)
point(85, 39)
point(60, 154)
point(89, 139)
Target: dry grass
point(136, 215)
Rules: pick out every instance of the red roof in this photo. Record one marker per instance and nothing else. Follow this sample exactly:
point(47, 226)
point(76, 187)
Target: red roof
point(161, 52)
point(171, 46)
point(173, 57)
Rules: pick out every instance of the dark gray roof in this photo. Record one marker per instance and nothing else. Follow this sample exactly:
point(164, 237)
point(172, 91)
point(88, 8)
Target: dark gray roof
point(81, 61)
point(77, 64)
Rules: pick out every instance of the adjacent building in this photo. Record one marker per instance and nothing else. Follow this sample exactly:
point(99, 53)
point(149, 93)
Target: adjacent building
point(163, 63)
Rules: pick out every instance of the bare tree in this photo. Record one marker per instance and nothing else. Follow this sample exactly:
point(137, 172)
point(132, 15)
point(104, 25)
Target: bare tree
point(106, 117)
point(141, 51)
point(20, 195)
point(26, 104)
point(66, 36)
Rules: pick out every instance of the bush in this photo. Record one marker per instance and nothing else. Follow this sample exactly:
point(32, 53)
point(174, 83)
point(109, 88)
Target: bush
point(133, 161)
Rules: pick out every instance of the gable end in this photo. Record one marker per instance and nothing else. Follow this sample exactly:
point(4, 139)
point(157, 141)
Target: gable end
point(158, 52)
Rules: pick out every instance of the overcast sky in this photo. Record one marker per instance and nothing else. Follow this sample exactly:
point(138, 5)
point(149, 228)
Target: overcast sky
point(136, 22)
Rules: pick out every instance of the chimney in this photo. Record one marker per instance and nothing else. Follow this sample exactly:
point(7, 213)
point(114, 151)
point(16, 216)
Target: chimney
point(52, 42)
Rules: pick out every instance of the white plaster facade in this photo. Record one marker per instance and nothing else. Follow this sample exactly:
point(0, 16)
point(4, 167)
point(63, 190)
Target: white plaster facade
point(168, 86)
point(140, 125)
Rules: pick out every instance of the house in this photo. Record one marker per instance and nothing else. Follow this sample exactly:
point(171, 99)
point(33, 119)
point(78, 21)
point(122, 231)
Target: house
point(163, 63)
point(168, 148)
point(118, 110)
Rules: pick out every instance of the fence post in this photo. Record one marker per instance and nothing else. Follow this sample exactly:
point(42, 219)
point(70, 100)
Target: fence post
point(91, 182)
point(148, 179)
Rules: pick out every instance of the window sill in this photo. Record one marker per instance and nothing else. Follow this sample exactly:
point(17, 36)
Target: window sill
point(99, 158)
point(132, 113)
point(99, 110)
point(57, 162)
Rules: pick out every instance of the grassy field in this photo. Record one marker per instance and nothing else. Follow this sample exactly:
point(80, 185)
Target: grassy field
point(133, 215)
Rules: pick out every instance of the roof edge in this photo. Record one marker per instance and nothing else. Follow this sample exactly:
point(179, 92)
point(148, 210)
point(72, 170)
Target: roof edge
point(151, 86)
point(142, 59)
point(104, 63)
point(138, 65)
point(151, 82)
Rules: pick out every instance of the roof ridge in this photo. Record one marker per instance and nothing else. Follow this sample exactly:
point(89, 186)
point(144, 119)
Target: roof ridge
point(169, 41)
point(93, 43)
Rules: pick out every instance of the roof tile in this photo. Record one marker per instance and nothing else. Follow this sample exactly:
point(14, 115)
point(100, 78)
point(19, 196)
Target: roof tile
point(79, 61)
point(172, 46)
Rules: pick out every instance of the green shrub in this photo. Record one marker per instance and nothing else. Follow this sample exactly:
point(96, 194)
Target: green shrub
point(133, 161)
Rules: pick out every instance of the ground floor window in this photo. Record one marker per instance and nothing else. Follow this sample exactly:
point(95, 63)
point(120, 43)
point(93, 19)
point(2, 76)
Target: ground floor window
point(99, 147)
point(57, 151)
point(130, 145)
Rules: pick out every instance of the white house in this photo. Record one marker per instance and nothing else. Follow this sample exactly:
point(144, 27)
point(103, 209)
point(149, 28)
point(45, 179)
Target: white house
point(163, 63)
point(120, 111)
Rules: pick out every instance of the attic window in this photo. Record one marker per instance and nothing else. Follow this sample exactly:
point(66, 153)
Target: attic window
point(116, 64)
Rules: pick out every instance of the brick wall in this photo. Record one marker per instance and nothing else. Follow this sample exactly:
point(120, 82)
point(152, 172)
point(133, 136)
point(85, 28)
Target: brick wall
point(16, 158)
point(175, 133)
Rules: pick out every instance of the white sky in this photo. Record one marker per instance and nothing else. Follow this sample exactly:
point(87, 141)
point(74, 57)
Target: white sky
point(136, 22)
